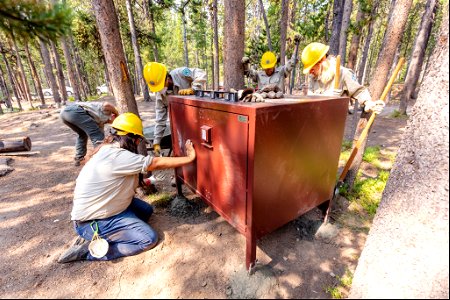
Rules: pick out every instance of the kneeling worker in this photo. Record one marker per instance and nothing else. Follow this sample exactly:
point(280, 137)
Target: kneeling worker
point(104, 201)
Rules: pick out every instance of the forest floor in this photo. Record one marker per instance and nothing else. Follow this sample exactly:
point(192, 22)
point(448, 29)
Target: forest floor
point(198, 256)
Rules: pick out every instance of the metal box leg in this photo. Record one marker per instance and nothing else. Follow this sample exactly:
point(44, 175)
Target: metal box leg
point(250, 257)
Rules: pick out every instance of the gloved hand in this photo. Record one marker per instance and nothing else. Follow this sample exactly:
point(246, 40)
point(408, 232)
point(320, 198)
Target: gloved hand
point(374, 106)
point(185, 92)
point(245, 60)
point(157, 149)
point(337, 93)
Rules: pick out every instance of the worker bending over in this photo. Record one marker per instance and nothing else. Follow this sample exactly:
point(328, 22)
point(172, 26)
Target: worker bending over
point(87, 119)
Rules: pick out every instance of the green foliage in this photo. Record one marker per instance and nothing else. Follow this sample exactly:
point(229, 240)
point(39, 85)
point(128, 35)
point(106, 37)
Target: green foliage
point(334, 292)
point(371, 154)
point(30, 18)
point(368, 192)
point(160, 199)
point(397, 115)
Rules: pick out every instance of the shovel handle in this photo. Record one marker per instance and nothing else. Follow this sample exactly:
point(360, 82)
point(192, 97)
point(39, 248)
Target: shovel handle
point(337, 75)
point(365, 132)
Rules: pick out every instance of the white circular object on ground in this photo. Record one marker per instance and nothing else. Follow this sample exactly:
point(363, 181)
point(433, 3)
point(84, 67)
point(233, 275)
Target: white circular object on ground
point(98, 248)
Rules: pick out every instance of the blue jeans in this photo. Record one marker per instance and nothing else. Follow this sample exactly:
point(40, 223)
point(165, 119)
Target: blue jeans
point(127, 233)
point(82, 123)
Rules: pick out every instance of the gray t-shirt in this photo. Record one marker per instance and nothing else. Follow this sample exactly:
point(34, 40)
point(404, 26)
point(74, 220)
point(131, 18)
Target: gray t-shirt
point(96, 111)
point(107, 183)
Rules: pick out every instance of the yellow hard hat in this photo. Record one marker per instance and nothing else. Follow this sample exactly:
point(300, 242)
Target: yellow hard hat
point(155, 76)
point(268, 60)
point(312, 54)
point(128, 123)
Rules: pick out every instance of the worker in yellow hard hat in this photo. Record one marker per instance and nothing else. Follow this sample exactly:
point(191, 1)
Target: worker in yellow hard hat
point(180, 81)
point(322, 68)
point(270, 74)
point(104, 203)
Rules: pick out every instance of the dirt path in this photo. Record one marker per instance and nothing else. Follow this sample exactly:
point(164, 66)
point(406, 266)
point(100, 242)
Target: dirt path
point(197, 257)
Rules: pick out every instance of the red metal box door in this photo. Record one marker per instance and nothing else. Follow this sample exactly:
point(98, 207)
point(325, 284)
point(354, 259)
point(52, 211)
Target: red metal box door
point(219, 174)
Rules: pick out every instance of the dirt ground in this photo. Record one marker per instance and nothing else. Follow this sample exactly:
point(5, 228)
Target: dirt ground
point(198, 256)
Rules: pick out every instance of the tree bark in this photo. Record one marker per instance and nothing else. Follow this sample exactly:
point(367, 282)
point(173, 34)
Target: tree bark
point(137, 54)
point(393, 36)
point(5, 90)
point(356, 38)
point(83, 79)
point(266, 23)
point(336, 27)
point(70, 69)
point(363, 63)
point(35, 75)
point(233, 48)
point(26, 87)
point(185, 43)
point(60, 74)
point(283, 29)
point(216, 45)
point(10, 74)
point(418, 55)
point(348, 7)
point(49, 72)
point(108, 26)
point(413, 214)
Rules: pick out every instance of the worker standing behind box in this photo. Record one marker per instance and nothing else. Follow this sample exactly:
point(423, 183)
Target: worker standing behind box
point(322, 69)
point(180, 81)
point(271, 77)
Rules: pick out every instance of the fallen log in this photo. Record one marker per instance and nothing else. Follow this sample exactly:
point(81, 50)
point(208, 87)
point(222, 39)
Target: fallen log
point(15, 146)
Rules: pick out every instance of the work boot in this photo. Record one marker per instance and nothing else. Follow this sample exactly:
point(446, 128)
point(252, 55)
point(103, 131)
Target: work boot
point(78, 251)
point(78, 161)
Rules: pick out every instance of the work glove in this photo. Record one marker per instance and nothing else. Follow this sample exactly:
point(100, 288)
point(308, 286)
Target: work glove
point(337, 93)
point(374, 106)
point(186, 92)
point(157, 150)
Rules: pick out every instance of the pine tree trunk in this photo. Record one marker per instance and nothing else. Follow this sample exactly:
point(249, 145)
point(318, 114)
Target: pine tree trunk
point(327, 26)
point(216, 46)
point(83, 79)
point(60, 74)
point(356, 39)
point(5, 91)
point(49, 72)
point(137, 54)
point(37, 80)
point(418, 55)
point(233, 48)
point(336, 27)
point(266, 23)
point(108, 27)
point(70, 69)
point(283, 29)
point(348, 7)
point(10, 74)
point(185, 43)
point(363, 63)
point(384, 63)
point(406, 252)
point(26, 87)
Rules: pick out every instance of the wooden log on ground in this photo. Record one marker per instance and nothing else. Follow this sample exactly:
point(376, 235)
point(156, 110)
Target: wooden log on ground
point(14, 146)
